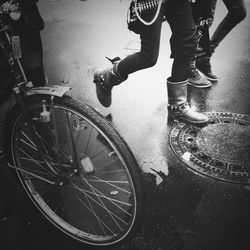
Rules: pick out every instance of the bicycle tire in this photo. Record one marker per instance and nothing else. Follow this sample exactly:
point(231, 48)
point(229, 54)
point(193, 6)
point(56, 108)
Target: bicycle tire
point(110, 141)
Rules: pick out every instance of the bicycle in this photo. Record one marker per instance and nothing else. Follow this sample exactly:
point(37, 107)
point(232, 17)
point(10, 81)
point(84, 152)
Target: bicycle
point(72, 163)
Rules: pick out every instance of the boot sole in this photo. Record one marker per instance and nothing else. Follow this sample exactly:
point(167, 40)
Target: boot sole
point(212, 79)
point(200, 86)
point(194, 122)
point(105, 100)
point(186, 120)
point(209, 78)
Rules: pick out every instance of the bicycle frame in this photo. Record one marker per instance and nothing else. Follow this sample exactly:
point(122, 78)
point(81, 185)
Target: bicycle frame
point(23, 88)
point(71, 162)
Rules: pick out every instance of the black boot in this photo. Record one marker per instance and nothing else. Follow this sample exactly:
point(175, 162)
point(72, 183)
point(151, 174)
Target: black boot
point(178, 106)
point(204, 66)
point(196, 79)
point(105, 80)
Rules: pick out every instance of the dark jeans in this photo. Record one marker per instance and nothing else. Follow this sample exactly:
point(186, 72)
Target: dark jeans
point(236, 13)
point(183, 42)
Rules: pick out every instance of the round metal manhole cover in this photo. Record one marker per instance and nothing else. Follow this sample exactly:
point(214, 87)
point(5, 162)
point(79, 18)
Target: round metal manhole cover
point(219, 149)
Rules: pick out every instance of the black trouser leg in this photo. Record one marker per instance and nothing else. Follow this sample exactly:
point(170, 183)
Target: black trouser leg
point(236, 13)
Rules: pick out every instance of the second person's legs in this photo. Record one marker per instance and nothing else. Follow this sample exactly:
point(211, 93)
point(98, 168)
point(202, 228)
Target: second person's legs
point(183, 43)
point(236, 13)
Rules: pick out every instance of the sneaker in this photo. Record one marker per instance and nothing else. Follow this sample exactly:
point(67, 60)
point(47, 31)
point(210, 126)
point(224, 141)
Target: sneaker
point(198, 81)
point(204, 66)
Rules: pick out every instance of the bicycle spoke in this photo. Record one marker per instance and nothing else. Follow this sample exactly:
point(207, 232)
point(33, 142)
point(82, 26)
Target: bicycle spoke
point(45, 189)
point(88, 141)
point(52, 145)
point(106, 181)
point(100, 203)
point(29, 139)
point(109, 183)
point(108, 164)
point(96, 206)
point(103, 205)
point(51, 133)
point(111, 171)
point(58, 206)
point(97, 154)
point(40, 162)
point(52, 163)
point(113, 201)
point(92, 211)
point(71, 136)
point(62, 213)
point(108, 211)
point(29, 173)
point(36, 162)
point(57, 152)
point(36, 171)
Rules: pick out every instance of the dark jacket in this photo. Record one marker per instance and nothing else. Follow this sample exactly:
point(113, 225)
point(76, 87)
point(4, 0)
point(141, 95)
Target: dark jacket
point(201, 9)
point(31, 19)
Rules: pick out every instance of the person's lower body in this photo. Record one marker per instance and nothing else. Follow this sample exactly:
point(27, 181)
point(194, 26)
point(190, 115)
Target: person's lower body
point(178, 106)
point(200, 65)
point(183, 48)
point(32, 60)
point(36, 75)
point(183, 42)
point(236, 13)
point(105, 79)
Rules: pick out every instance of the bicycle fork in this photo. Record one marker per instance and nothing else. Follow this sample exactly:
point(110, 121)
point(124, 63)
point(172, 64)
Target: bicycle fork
point(46, 116)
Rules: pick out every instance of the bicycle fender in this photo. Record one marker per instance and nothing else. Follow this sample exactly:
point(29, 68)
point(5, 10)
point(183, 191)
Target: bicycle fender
point(53, 90)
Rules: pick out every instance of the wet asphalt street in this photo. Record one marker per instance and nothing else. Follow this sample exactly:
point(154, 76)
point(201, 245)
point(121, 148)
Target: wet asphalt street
point(183, 210)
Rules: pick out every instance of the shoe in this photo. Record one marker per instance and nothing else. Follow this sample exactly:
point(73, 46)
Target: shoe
point(178, 106)
point(204, 66)
point(103, 86)
point(185, 113)
point(198, 81)
point(105, 80)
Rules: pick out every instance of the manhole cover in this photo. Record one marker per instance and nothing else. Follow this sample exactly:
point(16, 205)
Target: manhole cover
point(220, 149)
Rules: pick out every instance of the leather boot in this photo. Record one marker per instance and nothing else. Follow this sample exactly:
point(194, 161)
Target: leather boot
point(204, 66)
point(196, 79)
point(178, 106)
point(105, 80)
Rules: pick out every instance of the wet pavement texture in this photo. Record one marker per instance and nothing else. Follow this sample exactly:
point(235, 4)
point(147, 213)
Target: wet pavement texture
point(184, 209)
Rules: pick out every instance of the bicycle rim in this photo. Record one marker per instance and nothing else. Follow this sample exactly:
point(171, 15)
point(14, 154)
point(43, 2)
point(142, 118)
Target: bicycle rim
point(98, 205)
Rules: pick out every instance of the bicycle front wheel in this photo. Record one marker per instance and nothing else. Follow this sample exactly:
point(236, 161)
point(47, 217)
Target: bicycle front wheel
point(81, 175)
